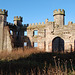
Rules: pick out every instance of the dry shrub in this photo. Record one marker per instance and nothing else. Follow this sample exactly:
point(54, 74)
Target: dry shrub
point(18, 53)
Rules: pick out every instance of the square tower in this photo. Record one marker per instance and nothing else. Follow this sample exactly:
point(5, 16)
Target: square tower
point(3, 19)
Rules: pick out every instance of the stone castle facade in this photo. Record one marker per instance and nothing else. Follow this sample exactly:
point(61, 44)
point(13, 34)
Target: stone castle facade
point(49, 36)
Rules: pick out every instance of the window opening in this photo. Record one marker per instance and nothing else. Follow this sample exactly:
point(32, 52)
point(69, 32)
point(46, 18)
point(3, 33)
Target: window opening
point(35, 32)
point(11, 32)
point(35, 44)
point(25, 33)
point(25, 43)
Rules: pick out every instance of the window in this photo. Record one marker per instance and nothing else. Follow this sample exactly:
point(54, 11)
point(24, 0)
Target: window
point(35, 44)
point(44, 45)
point(35, 32)
point(25, 33)
point(11, 32)
point(17, 33)
point(25, 43)
point(44, 32)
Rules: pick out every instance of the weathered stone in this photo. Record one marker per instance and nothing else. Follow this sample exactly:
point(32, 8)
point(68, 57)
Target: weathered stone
point(51, 36)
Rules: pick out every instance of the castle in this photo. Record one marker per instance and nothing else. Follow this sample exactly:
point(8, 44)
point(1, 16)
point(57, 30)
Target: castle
point(49, 36)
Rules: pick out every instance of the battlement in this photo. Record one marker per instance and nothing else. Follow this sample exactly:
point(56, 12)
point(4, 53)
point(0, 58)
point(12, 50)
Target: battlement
point(3, 12)
point(8, 23)
point(70, 23)
point(50, 36)
point(16, 18)
point(37, 24)
point(26, 25)
point(59, 12)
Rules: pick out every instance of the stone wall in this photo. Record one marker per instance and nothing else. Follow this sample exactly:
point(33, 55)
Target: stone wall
point(7, 39)
point(51, 36)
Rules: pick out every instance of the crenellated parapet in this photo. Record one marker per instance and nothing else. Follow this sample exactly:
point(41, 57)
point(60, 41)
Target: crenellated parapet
point(11, 26)
point(51, 22)
point(41, 24)
point(26, 25)
point(3, 12)
point(16, 18)
point(36, 25)
point(59, 12)
point(70, 23)
point(8, 23)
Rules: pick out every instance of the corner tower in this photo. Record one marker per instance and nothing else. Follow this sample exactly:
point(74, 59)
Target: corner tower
point(3, 19)
point(3, 16)
point(17, 20)
point(59, 17)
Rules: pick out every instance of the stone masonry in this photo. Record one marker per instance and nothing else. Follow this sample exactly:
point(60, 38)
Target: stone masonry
point(49, 36)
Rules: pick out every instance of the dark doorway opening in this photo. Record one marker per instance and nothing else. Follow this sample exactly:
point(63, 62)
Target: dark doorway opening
point(58, 45)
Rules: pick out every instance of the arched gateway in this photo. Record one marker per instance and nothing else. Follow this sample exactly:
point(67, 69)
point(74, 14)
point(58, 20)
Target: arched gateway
point(57, 44)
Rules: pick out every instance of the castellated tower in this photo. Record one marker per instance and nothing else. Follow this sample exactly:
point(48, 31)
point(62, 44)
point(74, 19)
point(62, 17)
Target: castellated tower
point(3, 19)
point(59, 17)
point(18, 20)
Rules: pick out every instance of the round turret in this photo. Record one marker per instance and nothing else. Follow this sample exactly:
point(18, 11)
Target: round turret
point(59, 17)
point(59, 12)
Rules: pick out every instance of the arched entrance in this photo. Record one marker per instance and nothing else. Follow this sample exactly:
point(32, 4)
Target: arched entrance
point(57, 44)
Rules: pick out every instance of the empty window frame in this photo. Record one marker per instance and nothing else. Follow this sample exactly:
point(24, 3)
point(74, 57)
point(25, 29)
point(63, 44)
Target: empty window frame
point(11, 32)
point(44, 45)
point(35, 32)
point(25, 33)
point(25, 43)
point(17, 33)
point(44, 32)
point(35, 44)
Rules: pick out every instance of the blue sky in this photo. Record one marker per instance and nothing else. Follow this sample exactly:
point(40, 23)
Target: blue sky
point(35, 11)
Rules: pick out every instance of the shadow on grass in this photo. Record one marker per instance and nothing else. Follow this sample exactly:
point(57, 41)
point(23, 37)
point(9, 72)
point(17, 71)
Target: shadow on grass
point(36, 60)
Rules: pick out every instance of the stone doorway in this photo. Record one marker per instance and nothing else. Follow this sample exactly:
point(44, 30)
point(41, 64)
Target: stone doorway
point(58, 44)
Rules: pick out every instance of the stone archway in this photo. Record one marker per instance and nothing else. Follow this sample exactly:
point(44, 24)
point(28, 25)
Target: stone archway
point(57, 44)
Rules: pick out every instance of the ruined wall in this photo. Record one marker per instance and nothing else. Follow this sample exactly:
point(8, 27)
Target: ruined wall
point(51, 36)
point(40, 35)
point(7, 39)
point(1, 31)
